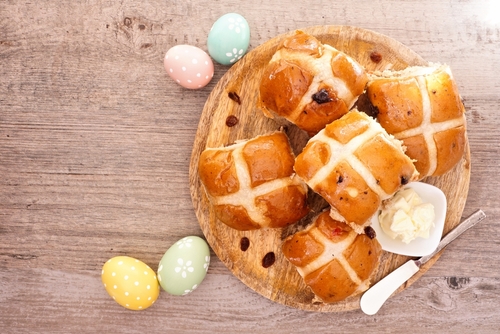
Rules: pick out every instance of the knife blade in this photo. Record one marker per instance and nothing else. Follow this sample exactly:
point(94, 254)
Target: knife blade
point(373, 299)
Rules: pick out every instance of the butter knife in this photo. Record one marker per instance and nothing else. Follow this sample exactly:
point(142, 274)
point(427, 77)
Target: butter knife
point(373, 299)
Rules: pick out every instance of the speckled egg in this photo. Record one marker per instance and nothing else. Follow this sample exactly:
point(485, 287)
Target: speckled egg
point(189, 66)
point(228, 39)
point(130, 282)
point(184, 265)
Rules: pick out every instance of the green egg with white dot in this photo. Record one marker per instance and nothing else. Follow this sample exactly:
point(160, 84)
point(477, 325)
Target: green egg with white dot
point(184, 266)
point(228, 39)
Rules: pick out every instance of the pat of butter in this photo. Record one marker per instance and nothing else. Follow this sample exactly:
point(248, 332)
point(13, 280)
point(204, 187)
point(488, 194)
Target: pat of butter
point(406, 217)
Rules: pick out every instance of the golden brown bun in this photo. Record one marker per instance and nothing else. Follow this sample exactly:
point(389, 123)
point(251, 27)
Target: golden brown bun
point(334, 260)
point(421, 106)
point(252, 185)
point(310, 84)
point(354, 165)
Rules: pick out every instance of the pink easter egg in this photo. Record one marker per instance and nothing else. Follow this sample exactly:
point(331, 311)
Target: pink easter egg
point(189, 66)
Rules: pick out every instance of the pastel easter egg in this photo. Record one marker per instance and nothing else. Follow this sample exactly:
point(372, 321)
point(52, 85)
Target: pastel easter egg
point(228, 39)
point(184, 265)
point(130, 282)
point(189, 66)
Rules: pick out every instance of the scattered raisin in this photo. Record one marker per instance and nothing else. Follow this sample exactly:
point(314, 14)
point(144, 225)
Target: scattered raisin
point(127, 21)
point(340, 179)
point(231, 120)
point(373, 111)
point(268, 260)
point(364, 104)
point(322, 97)
point(337, 231)
point(404, 180)
point(370, 232)
point(233, 96)
point(375, 57)
point(244, 244)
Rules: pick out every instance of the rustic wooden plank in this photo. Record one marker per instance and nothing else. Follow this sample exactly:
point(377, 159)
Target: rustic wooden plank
point(436, 303)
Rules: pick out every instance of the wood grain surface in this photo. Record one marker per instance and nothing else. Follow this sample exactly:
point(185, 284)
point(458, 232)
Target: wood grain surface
point(281, 282)
point(95, 148)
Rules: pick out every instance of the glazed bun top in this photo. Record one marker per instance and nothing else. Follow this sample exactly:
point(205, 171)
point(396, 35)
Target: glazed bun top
point(252, 185)
point(422, 107)
point(334, 260)
point(354, 165)
point(310, 83)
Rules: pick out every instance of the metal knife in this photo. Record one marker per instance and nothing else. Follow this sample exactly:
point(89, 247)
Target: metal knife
point(373, 299)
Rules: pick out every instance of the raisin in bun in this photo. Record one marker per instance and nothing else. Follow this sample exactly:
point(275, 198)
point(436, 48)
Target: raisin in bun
point(422, 107)
point(334, 260)
point(354, 165)
point(310, 83)
point(252, 185)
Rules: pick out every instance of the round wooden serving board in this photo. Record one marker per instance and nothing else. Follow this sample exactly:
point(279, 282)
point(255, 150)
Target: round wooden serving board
point(281, 282)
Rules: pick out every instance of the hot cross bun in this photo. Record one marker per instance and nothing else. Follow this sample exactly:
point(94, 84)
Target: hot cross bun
point(334, 260)
point(252, 185)
point(422, 107)
point(310, 83)
point(354, 165)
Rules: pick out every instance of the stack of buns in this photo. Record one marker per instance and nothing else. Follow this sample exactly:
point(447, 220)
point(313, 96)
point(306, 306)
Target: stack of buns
point(414, 127)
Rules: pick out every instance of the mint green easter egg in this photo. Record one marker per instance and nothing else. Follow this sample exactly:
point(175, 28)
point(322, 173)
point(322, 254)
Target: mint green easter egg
point(228, 39)
point(184, 266)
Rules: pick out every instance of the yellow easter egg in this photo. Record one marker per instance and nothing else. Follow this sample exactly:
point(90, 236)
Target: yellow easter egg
point(130, 282)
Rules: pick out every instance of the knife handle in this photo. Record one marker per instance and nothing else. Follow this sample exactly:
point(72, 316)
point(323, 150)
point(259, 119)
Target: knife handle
point(373, 299)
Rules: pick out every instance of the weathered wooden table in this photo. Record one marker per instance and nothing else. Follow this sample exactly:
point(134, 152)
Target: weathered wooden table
point(95, 145)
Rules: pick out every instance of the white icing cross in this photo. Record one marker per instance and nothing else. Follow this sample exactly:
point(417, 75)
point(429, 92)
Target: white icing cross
point(245, 196)
point(340, 152)
point(332, 250)
point(322, 75)
point(427, 129)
